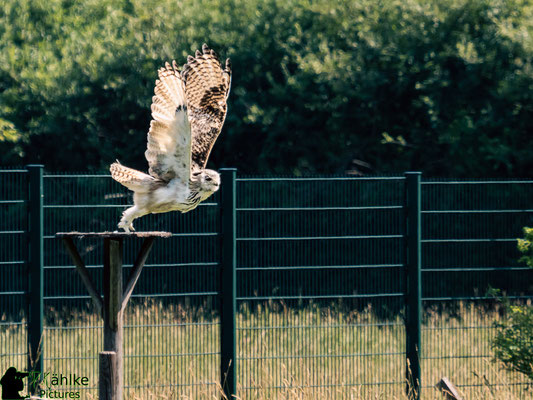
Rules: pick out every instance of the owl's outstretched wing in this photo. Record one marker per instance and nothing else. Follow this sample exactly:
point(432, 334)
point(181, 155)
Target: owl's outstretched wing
point(169, 139)
point(207, 87)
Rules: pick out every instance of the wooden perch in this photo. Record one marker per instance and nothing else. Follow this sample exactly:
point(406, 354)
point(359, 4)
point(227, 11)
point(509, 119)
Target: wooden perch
point(113, 302)
point(113, 235)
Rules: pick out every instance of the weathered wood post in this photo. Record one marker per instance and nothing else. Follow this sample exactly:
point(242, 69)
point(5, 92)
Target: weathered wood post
point(111, 307)
point(108, 377)
point(448, 389)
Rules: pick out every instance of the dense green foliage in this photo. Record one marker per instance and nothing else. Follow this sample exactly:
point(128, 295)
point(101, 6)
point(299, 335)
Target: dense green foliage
point(442, 86)
point(513, 343)
point(525, 246)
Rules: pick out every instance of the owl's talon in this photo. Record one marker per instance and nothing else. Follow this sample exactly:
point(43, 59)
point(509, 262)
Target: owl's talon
point(123, 225)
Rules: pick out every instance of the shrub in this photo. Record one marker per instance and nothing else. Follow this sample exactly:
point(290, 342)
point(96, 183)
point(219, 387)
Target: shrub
point(513, 343)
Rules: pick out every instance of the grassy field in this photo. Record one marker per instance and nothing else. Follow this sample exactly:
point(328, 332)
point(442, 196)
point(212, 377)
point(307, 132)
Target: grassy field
point(311, 353)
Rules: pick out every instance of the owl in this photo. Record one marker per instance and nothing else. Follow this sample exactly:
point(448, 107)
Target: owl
point(188, 111)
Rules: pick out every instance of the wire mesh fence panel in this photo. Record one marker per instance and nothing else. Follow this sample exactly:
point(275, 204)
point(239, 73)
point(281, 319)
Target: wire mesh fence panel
point(319, 286)
point(13, 269)
point(171, 323)
point(468, 247)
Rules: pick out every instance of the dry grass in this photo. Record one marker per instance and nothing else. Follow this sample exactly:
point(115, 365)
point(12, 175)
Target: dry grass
point(311, 353)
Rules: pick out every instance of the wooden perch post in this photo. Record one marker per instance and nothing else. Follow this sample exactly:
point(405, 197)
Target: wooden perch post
point(111, 307)
point(107, 374)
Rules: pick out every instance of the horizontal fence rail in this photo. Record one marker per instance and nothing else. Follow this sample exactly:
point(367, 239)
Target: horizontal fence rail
point(332, 285)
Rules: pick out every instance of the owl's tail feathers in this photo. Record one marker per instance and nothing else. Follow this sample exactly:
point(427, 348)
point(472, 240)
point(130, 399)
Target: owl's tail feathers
point(131, 178)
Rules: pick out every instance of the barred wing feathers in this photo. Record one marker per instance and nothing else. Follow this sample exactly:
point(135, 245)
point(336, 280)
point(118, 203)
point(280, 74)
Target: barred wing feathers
point(169, 138)
point(207, 87)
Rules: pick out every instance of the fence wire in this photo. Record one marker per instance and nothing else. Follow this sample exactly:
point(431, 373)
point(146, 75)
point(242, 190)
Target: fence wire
point(320, 275)
point(468, 247)
point(13, 288)
point(320, 285)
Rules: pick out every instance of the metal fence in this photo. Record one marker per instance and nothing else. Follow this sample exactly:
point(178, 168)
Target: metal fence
point(339, 280)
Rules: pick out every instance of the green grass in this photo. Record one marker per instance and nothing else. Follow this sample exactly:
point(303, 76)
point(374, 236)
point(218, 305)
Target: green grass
point(283, 353)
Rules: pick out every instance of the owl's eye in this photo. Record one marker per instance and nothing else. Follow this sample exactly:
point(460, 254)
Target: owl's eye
point(208, 179)
point(196, 173)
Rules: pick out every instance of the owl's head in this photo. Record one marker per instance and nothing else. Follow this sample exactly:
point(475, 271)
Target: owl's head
point(208, 180)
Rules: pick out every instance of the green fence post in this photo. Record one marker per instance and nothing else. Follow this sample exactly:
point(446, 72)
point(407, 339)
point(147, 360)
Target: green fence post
point(35, 264)
point(413, 283)
point(227, 291)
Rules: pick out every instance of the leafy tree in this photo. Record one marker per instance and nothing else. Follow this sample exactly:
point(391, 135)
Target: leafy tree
point(439, 86)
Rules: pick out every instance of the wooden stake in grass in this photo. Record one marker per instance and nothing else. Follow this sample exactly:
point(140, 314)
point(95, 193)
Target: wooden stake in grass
point(108, 378)
point(448, 389)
